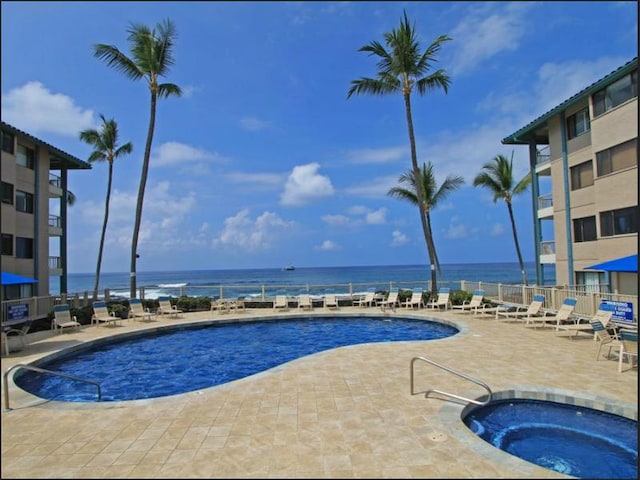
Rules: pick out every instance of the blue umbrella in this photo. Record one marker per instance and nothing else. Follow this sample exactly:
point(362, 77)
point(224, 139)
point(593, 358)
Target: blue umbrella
point(623, 264)
point(13, 279)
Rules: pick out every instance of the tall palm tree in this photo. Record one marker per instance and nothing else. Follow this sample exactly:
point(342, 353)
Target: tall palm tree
point(497, 177)
point(151, 58)
point(106, 147)
point(431, 195)
point(402, 67)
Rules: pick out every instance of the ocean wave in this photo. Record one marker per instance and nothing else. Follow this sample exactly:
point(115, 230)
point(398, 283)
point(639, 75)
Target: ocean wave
point(172, 285)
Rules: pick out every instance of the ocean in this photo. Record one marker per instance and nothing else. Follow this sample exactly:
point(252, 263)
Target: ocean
point(275, 281)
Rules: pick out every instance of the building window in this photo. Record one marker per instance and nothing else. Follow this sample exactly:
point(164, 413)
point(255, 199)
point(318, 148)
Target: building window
point(584, 229)
point(578, 123)
point(7, 244)
point(582, 175)
point(624, 155)
point(7, 193)
point(592, 282)
point(7, 142)
point(25, 157)
point(613, 95)
point(24, 247)
point(24, 202)
point(619, 222)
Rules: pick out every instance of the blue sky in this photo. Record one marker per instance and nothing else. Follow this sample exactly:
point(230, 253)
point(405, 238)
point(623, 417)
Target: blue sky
point(264, 161)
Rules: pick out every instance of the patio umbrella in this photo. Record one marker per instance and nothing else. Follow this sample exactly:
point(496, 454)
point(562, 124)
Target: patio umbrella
point(623, 264)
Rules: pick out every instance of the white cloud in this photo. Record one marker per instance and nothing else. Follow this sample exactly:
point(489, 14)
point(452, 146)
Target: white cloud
point(336, 220)
point(328, 245)
point(398, 238)
point(376, 217)
point(240, 231)
point(374, 187)
point(189, 90)
point(175, 153)
point(482, 34)
point(264, 179)
point(304, 185)
point(36, 109)
point(254, 124)
point(379, 155)
point(496, 230)
point(456, 231)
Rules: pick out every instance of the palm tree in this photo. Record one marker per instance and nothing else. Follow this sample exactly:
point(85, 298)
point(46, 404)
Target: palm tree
point(431, 195)
point(106, 147)
point(401, 67)
point(151, 59)
point(497, 176)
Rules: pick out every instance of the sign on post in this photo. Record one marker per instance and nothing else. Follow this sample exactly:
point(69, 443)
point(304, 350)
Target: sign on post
point(18, 311)
point(622, 311)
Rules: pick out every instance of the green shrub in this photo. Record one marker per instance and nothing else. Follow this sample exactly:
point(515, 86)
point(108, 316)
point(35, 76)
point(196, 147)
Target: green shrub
point(119, 308)
point(192, 304)
point(458, 297)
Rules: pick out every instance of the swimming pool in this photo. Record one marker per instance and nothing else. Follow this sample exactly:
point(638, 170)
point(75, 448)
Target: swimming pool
point(173, 360)
point(573, 440)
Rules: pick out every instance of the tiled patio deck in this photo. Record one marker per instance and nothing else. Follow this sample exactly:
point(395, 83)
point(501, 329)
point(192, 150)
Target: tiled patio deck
point(342, 413)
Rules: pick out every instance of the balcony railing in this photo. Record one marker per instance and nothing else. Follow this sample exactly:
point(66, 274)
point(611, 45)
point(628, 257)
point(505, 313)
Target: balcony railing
point(543, 155)
point(55, 180)
point(545, 201)
point(55, 221)
point(55, 263)
point(548, 248)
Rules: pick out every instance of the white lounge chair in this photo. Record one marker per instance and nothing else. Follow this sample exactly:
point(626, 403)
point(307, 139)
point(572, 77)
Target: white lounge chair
point(470, 305)
point(220, 306)
point(304, 302)
point(331, 302)
point(281, 303)
point(137, 310)
point(521, 313)
point(390, 302)
point(62, 318)
point(442, 300)
point(369, 300)
point(415, 301)
point(603, 315)
point(101, 315)
point(562, 315)
point(166, 308)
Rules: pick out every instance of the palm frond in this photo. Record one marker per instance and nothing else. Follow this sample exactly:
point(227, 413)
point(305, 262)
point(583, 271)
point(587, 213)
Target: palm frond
point(169, 89)
point(373, 86)
point(117, 60)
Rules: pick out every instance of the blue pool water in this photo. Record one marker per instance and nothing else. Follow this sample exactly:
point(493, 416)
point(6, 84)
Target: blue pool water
point(179, 360)
point(569, 439)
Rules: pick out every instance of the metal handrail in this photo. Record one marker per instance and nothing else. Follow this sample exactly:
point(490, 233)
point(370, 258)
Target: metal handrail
point(455, 372)
point(41, 370)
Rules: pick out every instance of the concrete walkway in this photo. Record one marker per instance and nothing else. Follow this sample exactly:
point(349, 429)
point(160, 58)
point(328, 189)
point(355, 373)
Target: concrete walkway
point(346, 412)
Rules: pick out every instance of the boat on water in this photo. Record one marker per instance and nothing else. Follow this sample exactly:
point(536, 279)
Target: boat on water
point(289, 267)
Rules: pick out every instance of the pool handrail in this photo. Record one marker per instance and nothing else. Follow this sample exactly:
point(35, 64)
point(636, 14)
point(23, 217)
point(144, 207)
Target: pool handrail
point(455, 372)
point(41, 370)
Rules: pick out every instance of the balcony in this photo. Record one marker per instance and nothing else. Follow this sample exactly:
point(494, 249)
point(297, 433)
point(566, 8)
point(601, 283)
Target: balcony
point(548, 252)
point(55, 186)
point(543, 161)
point(545, 206)
point(55, 226)
point(55, 266)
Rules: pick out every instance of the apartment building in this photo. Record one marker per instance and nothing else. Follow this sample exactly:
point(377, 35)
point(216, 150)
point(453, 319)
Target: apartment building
point(33, 212)
point(583, 156)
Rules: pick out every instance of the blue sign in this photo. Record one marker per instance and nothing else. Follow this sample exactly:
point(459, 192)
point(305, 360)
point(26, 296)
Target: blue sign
point(622, 311)
point(19, 311)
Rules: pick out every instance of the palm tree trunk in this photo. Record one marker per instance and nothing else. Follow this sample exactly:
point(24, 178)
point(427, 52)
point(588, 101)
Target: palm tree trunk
point(416, 173)
point(143, 183)
point(515, 239)
point(432, 254)
point(104, 230)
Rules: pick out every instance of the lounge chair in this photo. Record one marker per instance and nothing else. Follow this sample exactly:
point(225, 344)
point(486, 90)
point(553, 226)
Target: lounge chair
point(331, 302)
point(603, 337)
point(470, 305)
point(101, 315)
point(415, 301)
point(390, 302)
point(220, 306)
point(521, 313)
point(281, 303)
point(369, 300)
point(442, 300)
point(304, 302)
point(562, 315)
point(62, 318)
point(12, 332)
point(137, 310)
point(237, 304)
point(166, 308)
point(603, 315)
